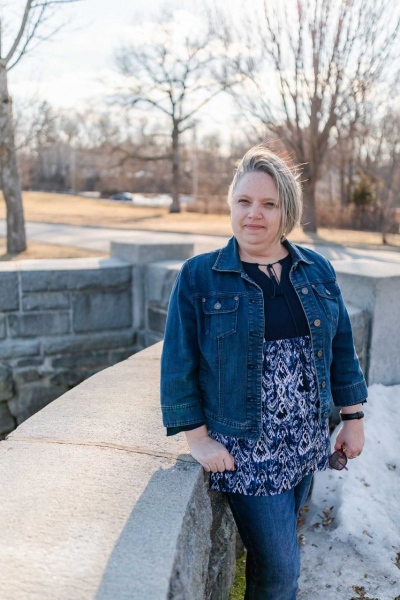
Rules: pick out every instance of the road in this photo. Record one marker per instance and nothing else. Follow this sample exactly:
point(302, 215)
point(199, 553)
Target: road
point(98, 239)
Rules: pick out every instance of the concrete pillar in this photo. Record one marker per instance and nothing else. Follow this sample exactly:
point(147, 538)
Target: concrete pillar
point(375, 287)
point(139, 256)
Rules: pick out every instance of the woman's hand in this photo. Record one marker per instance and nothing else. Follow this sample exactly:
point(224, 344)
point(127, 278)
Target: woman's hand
point(351, 437)
point(212, 455)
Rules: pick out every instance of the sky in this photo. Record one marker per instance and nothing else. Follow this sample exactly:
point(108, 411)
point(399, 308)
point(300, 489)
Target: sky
point(73, 68)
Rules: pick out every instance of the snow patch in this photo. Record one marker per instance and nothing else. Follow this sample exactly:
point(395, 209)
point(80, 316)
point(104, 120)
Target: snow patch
point(355, 555)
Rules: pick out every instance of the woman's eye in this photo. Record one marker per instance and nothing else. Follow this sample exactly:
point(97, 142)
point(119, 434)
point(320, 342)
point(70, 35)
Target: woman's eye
point(242, 200)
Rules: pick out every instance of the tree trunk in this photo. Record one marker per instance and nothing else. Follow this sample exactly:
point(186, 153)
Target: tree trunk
point(9, 178)
point(175, 206)
point(309, 205)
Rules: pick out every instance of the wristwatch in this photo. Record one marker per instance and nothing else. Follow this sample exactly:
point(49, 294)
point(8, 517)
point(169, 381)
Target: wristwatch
point(351, 416)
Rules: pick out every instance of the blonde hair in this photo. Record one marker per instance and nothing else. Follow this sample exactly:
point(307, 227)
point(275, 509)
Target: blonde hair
point(260, 159)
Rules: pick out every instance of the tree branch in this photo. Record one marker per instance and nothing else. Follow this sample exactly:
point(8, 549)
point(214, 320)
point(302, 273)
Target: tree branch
point(20, 32)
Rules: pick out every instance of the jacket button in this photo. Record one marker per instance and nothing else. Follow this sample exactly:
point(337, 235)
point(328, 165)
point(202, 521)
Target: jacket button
point(304, 291)
point(217, 305)
point(328, 292)
point(323, 384)
point(203, 299)
point(324, 415)
point(319, 353)
point(317, 322)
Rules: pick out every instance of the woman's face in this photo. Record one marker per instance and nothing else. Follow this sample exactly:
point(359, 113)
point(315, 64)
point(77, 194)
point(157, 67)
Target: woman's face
point(255, 213)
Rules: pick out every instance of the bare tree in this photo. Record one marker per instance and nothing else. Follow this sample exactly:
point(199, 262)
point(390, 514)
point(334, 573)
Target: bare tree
point(36, 14)
point(311, 66)
point(379, 160)
point(175, 78)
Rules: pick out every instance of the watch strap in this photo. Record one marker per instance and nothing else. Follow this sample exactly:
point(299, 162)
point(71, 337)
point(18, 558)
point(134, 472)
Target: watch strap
point(351, 416)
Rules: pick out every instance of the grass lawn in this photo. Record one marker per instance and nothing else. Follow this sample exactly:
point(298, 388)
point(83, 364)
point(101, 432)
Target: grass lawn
point(239, 585)
point(39, 250)
point(76, 210)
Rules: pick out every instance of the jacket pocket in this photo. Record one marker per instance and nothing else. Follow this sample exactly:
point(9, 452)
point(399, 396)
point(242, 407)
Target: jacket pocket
point(220, 313)
point(327, 294)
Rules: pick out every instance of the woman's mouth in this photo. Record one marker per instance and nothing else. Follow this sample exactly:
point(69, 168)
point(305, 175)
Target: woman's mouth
point(254, 226)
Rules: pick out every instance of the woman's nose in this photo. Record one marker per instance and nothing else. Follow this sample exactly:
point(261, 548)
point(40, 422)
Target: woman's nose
point(255, 210)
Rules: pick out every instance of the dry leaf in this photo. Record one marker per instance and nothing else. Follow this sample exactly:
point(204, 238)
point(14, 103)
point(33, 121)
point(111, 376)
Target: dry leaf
point(302, 540)
point(365, 532)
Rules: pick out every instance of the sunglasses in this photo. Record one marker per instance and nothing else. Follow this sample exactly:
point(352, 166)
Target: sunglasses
point(338, 460)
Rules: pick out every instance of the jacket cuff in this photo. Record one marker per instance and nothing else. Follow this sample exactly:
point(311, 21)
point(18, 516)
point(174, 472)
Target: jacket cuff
point(182, 414)
point(350, 394)
point(175, 430)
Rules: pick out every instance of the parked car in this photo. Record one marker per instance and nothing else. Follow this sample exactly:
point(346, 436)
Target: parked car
point(124, 196)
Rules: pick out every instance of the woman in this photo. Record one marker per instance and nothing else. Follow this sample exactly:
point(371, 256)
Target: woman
point(258, 346)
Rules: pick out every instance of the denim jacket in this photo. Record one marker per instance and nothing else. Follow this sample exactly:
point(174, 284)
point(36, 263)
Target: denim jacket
point(211, 363)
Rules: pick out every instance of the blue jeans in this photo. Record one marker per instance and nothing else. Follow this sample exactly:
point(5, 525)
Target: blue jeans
point(267, 526)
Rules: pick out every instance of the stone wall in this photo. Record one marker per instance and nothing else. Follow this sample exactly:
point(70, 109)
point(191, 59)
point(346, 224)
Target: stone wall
point(98, 504)
point(61, 321)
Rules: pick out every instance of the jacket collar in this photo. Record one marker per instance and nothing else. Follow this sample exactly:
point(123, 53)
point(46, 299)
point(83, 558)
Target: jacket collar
point(229, 260)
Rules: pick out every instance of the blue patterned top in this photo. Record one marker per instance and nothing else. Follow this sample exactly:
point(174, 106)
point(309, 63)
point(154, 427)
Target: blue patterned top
point(294, 442)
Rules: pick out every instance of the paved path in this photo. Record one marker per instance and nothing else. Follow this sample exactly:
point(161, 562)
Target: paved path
point(98, 238)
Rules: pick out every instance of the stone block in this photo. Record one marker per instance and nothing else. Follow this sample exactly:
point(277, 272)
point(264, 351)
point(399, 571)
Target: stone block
point(360, 325)
point(26, 362)
point(8, 291)
point(3, 331)
point(143, 253)
point(94, 341)
point(33, 397)
point(159, 280)
point(17, 348)
point(102, 310)
point(224, 544)
point(71, 377)
point(7, 423)
point(375, 287)
point(6, 382)
point(156, 319)
point(147, 338)
point(74, 274)
point(45, 300)
point(27, 375)
point(38, 324)
point(85, 360)
point(117, 355)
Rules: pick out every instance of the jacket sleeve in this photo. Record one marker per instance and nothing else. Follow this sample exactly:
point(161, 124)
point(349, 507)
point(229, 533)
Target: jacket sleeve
point(348, 385)
point(180, 394)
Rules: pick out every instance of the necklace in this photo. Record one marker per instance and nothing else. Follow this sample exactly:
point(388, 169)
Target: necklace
point(271, 264)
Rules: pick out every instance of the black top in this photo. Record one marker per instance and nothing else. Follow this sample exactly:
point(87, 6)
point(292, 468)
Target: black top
point(284, 314)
